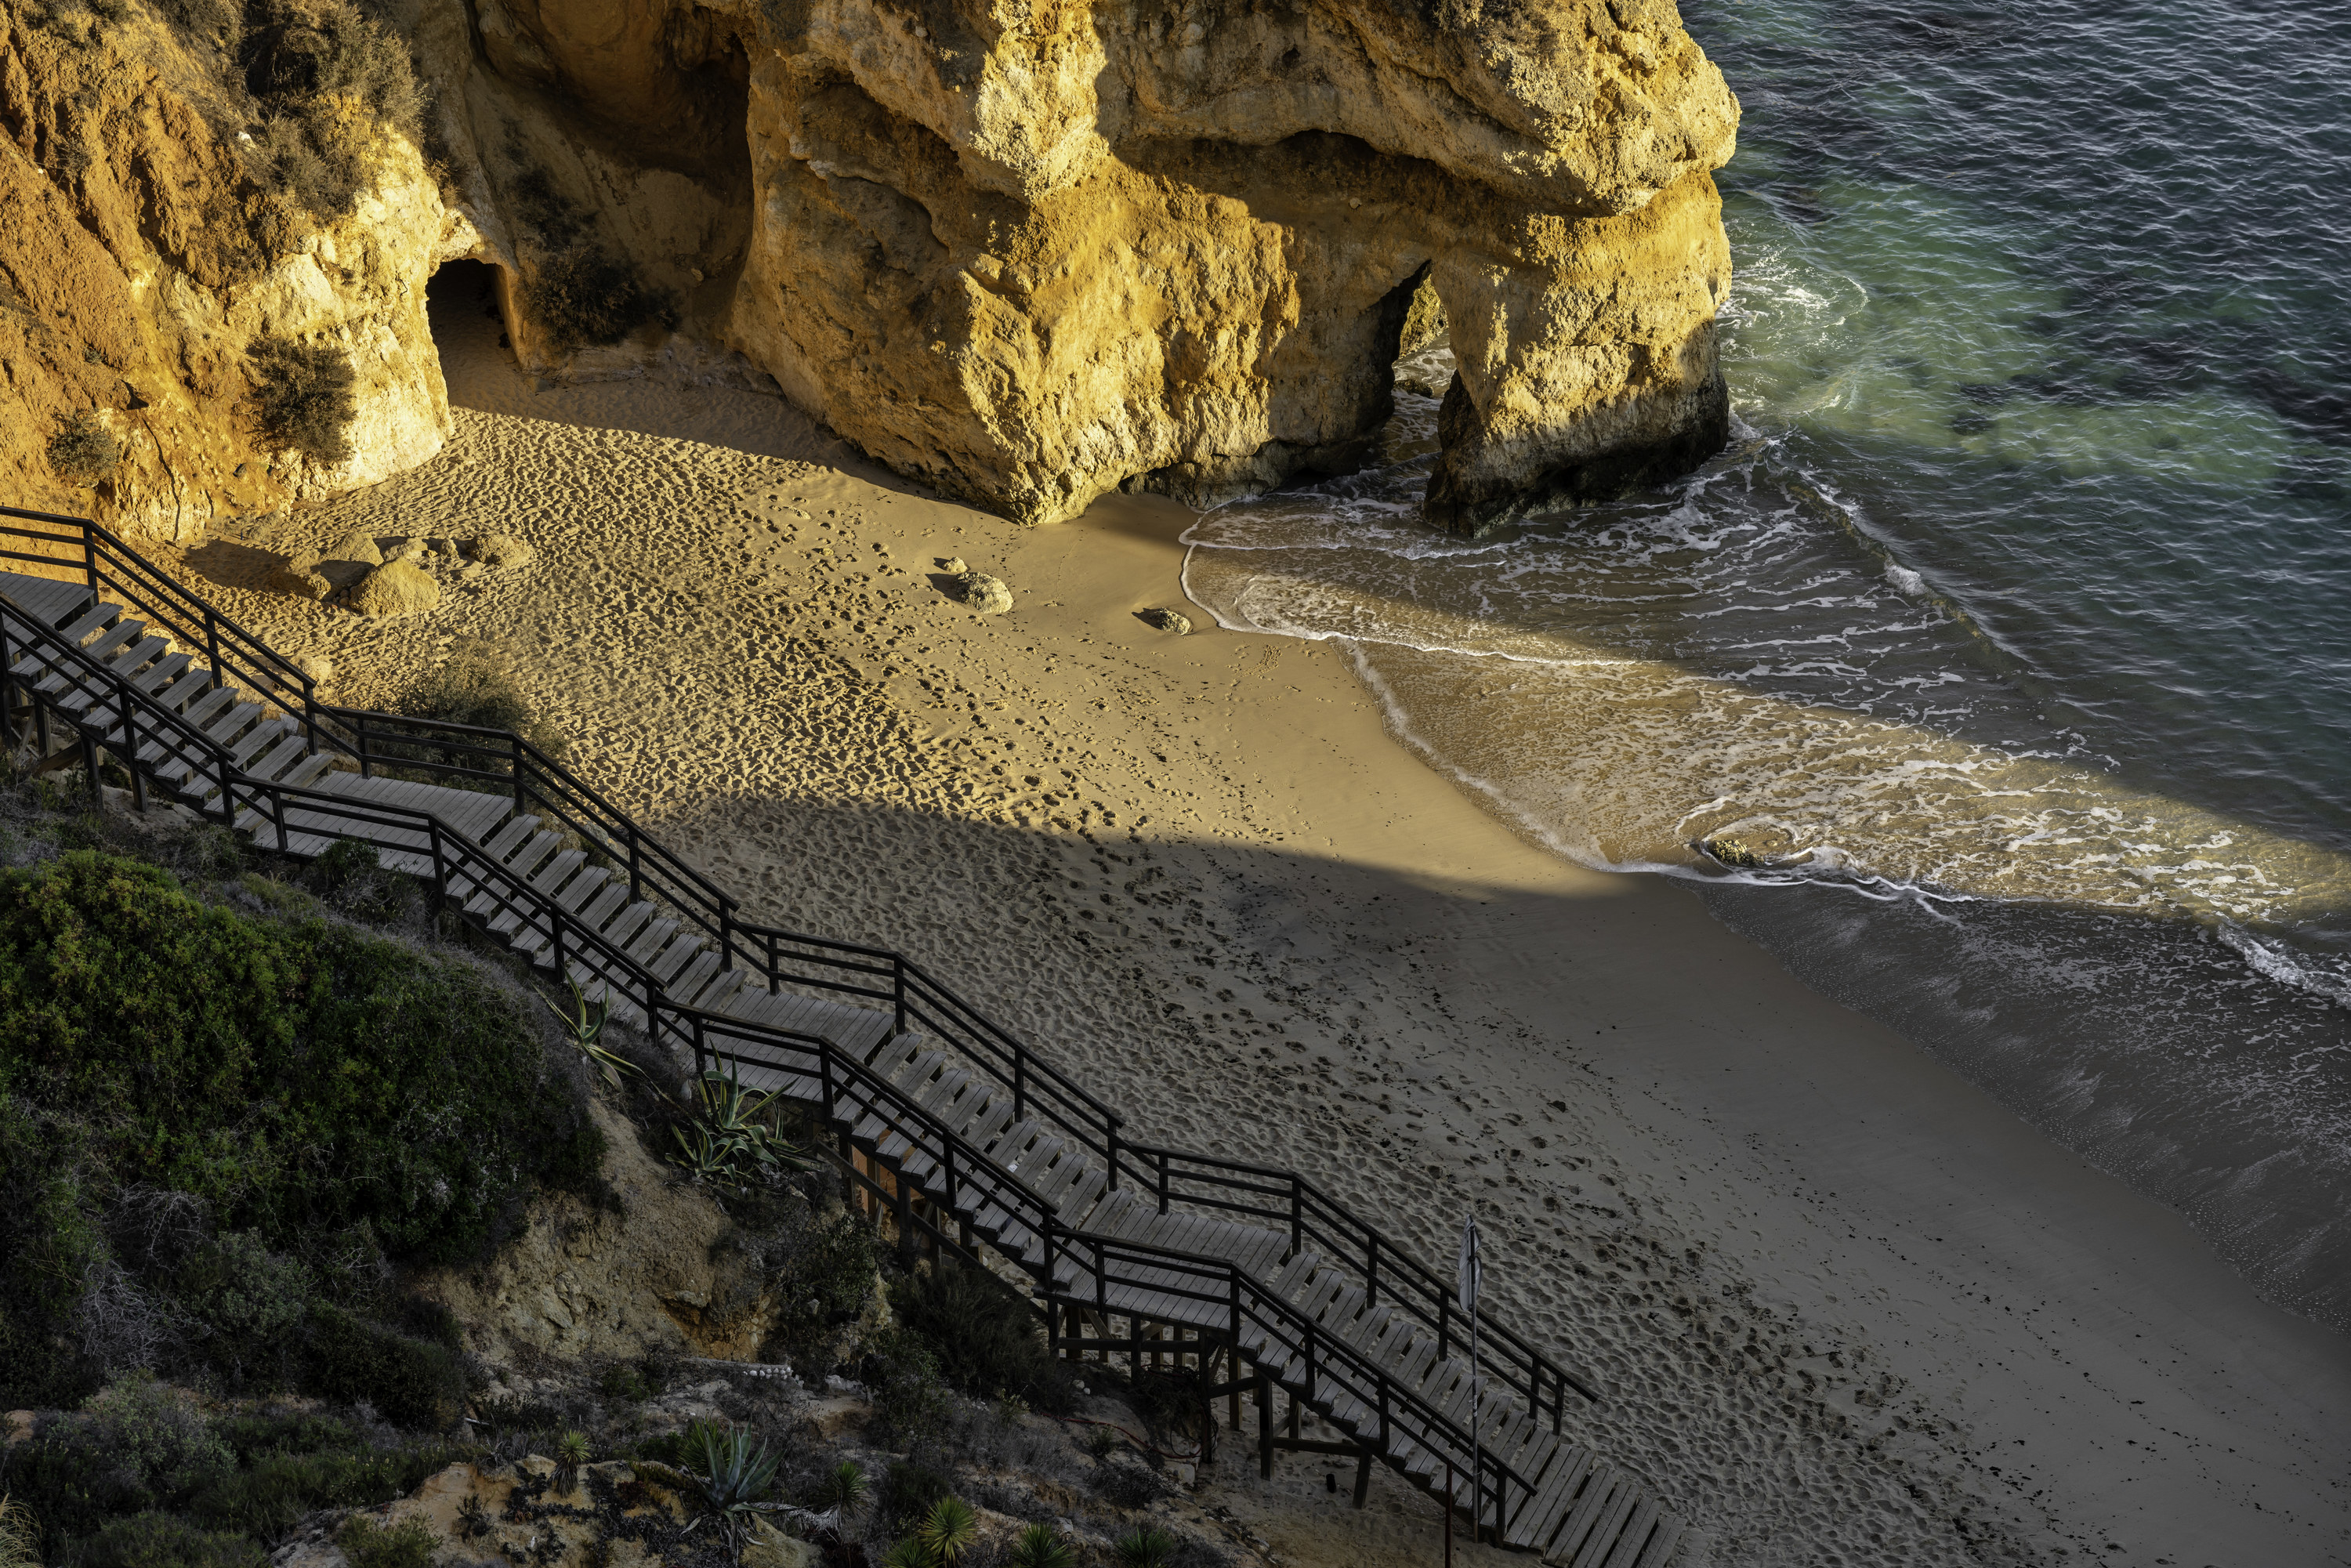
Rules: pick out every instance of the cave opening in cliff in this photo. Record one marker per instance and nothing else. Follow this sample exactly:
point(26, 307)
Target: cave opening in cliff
point(466, 305)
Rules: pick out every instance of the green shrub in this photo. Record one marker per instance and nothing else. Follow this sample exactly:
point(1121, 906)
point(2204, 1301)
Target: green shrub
point(275, 1490)
point(303, 396)
point(821, 1283)
point(408, 1545)
point(84, 451)
point(585, 297)
point(50, 1236)
point(165, 1541)
point(911, 1401)
point(986, 1340)
point(909, 1491)
point(411, 1382)
point(476, 687)
point(625, 1383)
point(245, 1301)
point(206, 18)
point(135, 1448)
point(309, 62)
point(350, 878)
point(311, 1084)
point(255, 1435)
point(150, 1432)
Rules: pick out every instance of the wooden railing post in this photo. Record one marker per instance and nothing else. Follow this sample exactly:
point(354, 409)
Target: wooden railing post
point(898, 987)
point(131, 747)
point(555, 937)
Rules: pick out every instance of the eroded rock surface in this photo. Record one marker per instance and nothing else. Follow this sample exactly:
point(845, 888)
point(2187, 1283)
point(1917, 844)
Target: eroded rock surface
point(1030, 255)
point(143, 260)
point(1025, 254)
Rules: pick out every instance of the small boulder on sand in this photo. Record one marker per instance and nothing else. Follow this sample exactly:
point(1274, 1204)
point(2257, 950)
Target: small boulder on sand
point(1159, 619)
point(501, 550)
point(300, 577)
point(985, 594)
point(318, 667)
point(396, 588)
point(358, 545)
point(952, 565)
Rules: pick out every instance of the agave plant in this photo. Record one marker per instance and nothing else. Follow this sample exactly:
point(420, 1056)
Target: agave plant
point(948, 1530)
point(585, 1024)
point(1145, 1546)
point(1041, 1546)
point(844, 1488)
point(570, 1454)
point(733, 1471)
point(909, 1553)
point(731, 1145)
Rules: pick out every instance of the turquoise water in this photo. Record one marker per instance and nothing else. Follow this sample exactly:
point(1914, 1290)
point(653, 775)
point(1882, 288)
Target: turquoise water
point(2014, 630)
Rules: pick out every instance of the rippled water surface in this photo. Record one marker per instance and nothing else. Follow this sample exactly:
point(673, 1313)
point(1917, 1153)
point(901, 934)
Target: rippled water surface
point(2011, 637)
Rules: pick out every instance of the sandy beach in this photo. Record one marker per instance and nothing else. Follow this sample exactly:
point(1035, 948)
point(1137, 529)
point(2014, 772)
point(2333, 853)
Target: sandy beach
point(1845, 1308)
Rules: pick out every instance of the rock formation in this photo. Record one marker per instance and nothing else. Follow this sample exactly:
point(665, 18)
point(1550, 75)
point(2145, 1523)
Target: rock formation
point(148, 271)
point(1031, 255)
point(1024, 254)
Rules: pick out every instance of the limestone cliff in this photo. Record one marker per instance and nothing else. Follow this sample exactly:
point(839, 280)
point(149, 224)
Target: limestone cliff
point(1026, 253)
point(150, 269)
point(1029, 253)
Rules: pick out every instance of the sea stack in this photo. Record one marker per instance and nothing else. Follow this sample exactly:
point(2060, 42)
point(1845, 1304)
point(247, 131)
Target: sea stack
point(1029, 260)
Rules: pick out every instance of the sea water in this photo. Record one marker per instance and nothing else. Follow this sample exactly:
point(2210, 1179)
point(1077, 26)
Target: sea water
point(2006, 649)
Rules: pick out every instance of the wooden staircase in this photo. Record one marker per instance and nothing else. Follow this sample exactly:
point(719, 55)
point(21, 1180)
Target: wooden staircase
point(938, 1113)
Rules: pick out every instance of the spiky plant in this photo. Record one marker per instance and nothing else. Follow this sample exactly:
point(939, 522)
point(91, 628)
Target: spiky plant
point(585, 1024)
point(948, 1530)
point(731, 1145)
point(1145, 1546)
point(1041, 1546)
point(733, 1471)
point(570, 1453)
point(909, 1553)
point(844, 1488)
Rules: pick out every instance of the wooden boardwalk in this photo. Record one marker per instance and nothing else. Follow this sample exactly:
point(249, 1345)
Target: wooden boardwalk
point(522, 878)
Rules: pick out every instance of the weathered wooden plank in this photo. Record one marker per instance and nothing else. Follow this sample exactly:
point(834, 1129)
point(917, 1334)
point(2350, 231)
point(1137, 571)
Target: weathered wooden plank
point(1634, 1536)
point(1603, 1540)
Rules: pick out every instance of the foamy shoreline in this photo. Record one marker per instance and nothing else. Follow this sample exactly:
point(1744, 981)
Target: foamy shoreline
point(1847, 1309)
